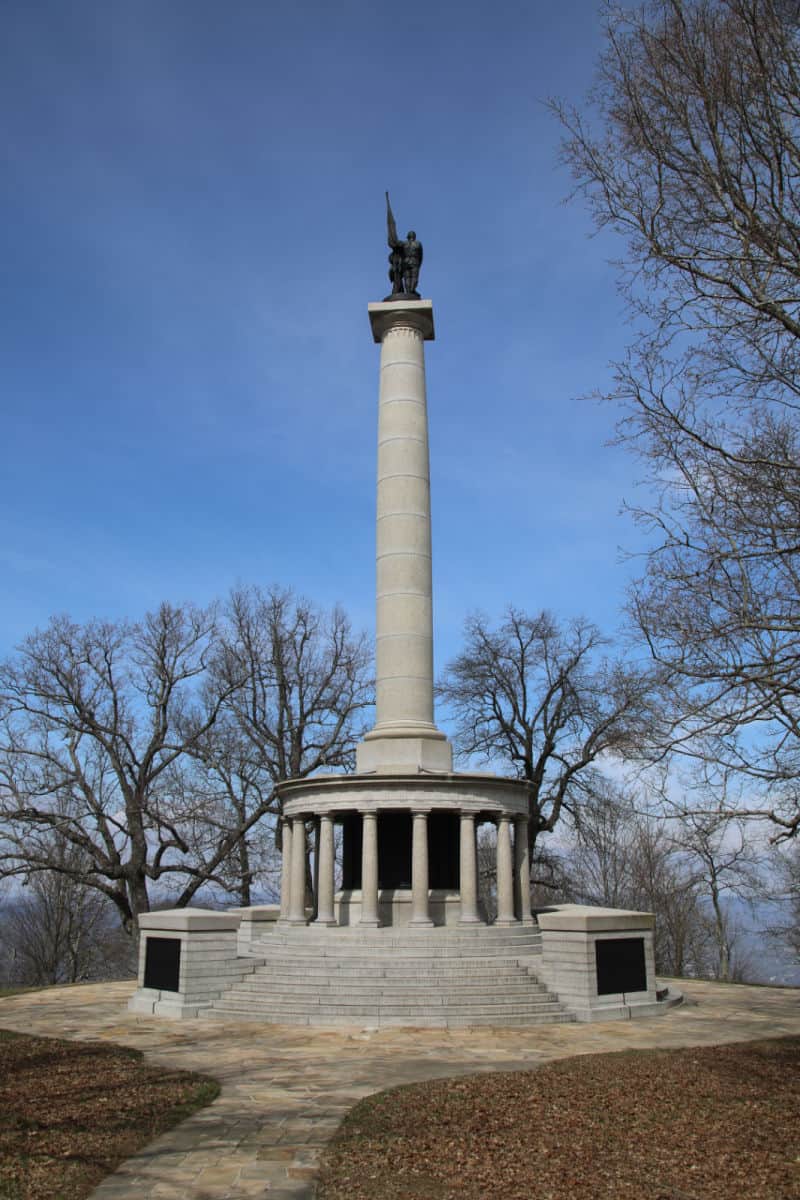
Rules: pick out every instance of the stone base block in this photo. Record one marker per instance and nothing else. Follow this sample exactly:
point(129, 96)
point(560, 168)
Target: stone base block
point(572, 965)
point(256, 921)
point(150, 1002)
point(399, 755)
point(195, 959)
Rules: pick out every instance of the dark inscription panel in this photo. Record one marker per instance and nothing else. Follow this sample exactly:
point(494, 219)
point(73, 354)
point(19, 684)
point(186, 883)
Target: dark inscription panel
point(162, 963)
point(620, 966)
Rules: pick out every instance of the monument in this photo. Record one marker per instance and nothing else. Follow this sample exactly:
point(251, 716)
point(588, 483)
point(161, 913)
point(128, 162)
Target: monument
point(403, 940)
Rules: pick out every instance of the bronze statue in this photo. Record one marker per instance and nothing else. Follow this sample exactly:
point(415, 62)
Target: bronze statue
point(405, 260)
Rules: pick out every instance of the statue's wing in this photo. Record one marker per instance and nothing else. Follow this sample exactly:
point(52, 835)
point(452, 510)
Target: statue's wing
point(391, 227)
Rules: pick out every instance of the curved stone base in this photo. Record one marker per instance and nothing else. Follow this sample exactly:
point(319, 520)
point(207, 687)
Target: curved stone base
point(395, 907)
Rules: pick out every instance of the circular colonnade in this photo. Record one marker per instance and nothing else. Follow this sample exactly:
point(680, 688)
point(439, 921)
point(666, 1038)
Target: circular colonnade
point(404, 835)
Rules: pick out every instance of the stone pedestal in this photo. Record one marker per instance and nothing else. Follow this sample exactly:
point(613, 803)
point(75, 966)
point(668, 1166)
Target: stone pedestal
point(573, 967)
point(187, 958)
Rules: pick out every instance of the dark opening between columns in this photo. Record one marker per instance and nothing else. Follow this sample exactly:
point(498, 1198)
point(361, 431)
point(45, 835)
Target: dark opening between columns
point(443, 851)
point(394, 850)
point(351, 851)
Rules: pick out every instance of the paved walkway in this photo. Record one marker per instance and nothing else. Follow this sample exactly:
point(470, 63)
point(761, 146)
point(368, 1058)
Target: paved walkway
point(285, 1089)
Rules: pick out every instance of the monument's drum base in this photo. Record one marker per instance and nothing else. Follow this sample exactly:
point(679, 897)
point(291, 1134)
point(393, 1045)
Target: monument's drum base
point(396, 907)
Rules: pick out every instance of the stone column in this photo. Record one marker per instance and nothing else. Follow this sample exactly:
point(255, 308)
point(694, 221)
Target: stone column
point(286, 869)
point(522, 872)
point(505, 873)
point(325, 913)
point(405, 736)
point(468, 871)
point(315, 873)
point(369, 869)
point(297, 900)
point(420, 914)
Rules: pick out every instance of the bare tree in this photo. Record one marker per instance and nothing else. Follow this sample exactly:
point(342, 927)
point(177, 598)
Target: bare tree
point(541, 699)
point(234, 796)
point(602, 864)
point(785, 890)
point(94, 723)
point(307, 683)
point(696, 165)
point(721, 858)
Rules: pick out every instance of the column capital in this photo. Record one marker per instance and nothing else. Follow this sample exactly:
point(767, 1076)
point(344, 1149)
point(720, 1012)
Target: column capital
point(398, 314)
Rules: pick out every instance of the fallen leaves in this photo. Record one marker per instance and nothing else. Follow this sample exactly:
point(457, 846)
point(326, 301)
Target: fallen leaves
point(713, 1124)
point(71, 1111)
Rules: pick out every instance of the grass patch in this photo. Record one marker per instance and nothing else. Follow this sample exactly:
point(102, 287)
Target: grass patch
point(70, 1112)
point(710, 1123)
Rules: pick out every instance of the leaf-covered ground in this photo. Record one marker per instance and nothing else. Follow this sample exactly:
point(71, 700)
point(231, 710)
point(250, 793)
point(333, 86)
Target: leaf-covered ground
point(720, 1122)
point(71, 1111)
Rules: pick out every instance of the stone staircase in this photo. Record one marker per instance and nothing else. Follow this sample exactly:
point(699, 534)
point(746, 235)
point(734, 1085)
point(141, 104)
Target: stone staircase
point(441, 977)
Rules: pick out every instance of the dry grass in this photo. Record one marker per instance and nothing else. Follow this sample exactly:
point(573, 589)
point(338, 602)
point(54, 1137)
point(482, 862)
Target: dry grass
point(70, 1112)
point(717, 1123)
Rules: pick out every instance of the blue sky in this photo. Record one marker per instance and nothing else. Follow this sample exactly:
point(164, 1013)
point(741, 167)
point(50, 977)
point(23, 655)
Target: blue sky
point(193, 226)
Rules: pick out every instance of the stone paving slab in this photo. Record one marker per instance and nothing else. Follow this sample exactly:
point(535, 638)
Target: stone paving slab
point(285, 1089)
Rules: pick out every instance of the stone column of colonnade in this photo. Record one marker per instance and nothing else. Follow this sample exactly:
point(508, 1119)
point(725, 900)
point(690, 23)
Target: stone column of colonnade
point(286, 868)
point(522, 871)
point(325, 873)
point(297, 873)
point(505, 873)
point(405, 737)
point(468, 871)
point(420, 910)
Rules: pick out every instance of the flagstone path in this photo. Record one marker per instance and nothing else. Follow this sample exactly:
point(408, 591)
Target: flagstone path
point(286, 1089)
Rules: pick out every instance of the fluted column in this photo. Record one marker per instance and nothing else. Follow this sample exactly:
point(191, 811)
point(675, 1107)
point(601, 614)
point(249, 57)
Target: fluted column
point(297, 900)
point(325, 913)
point(405, 736)
point(505, 873)
point(369, 869)
point(420, 913)
point(522, 872)
point(468, 871)
point(286, 868)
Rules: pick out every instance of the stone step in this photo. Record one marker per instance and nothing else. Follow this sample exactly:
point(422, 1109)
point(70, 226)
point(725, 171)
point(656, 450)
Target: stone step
point(383, 1022)
point(411, 1014)
point(332, 962)
point(429, 942)
point(408, 958)
point(355, 979)
point(388, 933)
point(390, 969)
point(271, 991)
point(314, 1003)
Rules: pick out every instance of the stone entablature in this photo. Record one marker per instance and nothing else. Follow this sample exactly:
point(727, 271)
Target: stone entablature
point(485, 796)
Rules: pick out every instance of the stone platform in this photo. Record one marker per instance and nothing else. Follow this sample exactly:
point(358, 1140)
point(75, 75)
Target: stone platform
point(196, 962)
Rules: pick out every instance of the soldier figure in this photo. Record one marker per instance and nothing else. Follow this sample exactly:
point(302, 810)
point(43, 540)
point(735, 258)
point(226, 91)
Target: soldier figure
point(405, 259)
point(412, 261)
